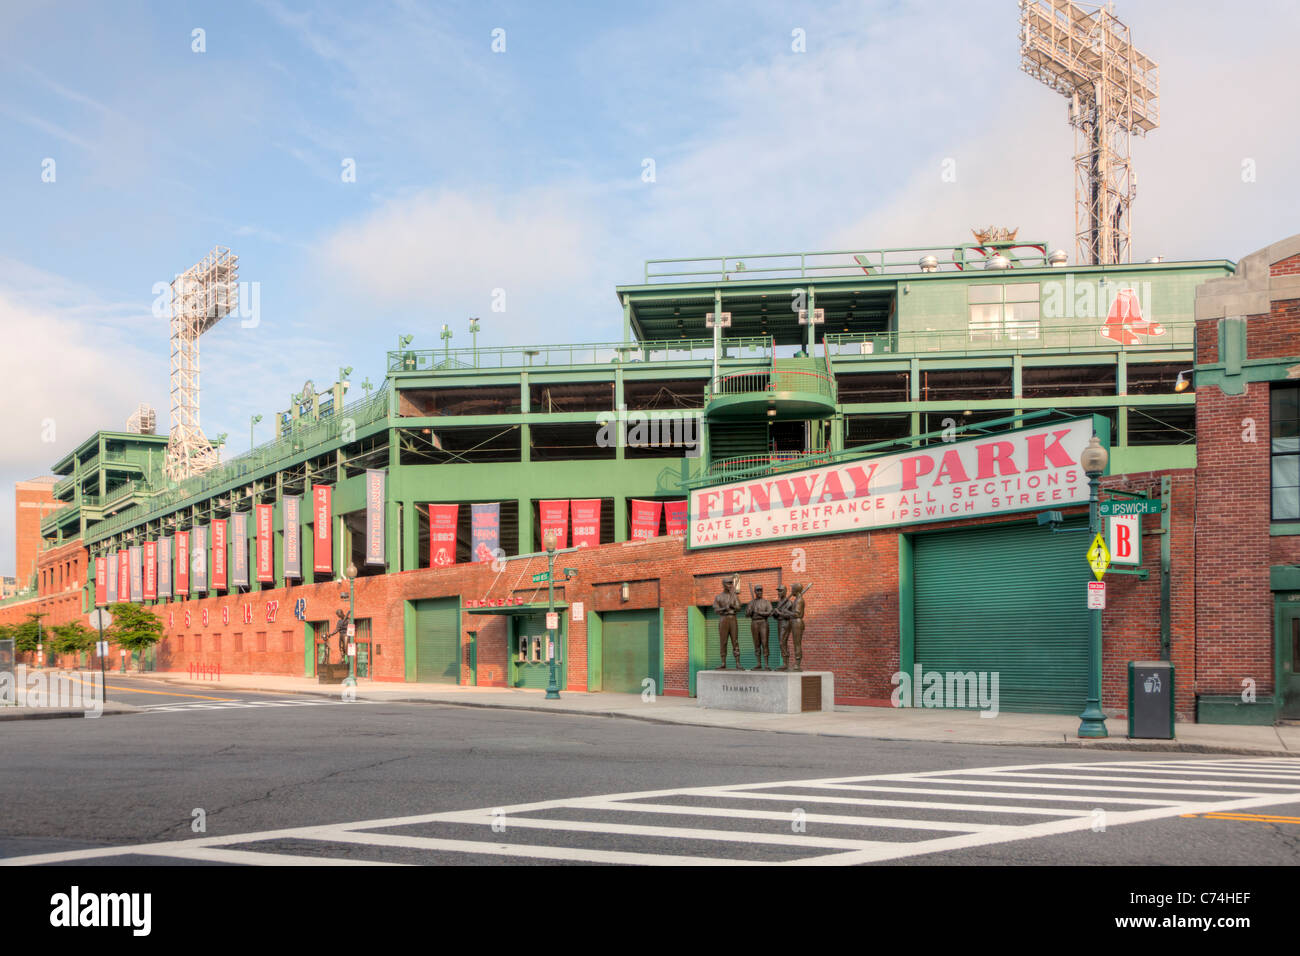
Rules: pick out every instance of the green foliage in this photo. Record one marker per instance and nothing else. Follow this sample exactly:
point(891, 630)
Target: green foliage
point(134, 627)
point(71, 638)
point(27, 634)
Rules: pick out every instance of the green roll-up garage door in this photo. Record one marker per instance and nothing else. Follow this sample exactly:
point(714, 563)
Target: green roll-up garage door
point(437, 641)
point(1010, 600)
point(712, 651)
point(630, 650)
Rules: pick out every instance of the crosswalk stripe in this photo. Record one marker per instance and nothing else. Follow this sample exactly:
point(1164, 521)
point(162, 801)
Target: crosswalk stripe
point(1000, 794)
point(749, 813)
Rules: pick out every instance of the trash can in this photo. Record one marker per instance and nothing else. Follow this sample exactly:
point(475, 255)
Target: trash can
point(1151, 700)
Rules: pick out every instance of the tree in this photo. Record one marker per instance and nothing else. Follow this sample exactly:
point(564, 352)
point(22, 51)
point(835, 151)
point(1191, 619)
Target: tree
point(135, 627)
point(71, 638)
point(29, 633)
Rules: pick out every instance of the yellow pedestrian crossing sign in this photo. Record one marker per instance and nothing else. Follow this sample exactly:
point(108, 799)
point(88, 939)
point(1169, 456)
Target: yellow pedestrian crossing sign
point(1099, 556)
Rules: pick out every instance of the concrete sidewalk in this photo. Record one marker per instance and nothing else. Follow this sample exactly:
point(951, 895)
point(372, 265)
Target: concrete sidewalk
point(878, 723)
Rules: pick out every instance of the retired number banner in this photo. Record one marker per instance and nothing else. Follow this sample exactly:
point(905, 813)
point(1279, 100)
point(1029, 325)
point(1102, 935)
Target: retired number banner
point(101, 581)
point(198, 558)
point(265, 548)
point(151, 570)
point(291, 516)
point(135, 557)
point(1018, 470)
point(165, 568)
point(586, 522)
point(442, 534)
point(322, 533)
point(182, 562)
point(239, 550)
point(374, 516)
point(219, 570)
point(123, 576)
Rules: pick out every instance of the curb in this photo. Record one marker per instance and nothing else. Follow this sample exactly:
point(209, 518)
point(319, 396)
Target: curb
point(57, 714)
point(1117, 744)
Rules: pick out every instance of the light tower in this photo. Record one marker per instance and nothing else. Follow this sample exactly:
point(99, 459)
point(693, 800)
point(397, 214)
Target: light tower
point(201, 297)
point(1083, 52)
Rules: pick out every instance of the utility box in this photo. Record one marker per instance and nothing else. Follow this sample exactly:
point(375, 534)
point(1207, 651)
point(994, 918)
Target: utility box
point(1151, 700)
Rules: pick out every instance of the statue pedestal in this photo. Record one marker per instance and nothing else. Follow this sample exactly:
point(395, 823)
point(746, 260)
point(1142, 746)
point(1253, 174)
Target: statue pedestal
point(766, 692)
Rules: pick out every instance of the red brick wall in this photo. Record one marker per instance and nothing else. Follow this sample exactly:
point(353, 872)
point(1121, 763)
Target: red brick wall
point(33, 500)
point(1276, 335)
point(1289, 266)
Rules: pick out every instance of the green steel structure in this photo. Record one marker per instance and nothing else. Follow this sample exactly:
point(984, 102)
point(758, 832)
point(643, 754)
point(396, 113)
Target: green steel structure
point(726, 367)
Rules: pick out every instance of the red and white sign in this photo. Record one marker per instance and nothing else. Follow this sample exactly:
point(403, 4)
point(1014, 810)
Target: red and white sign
point(265, 552)
point(554, 516)
point(586, 522)
point(322, 536)
point(219, 554)
point(123, 576)
point(675, 517)
point(1096, 595)
point(645, 519)
point(442, 534)
point(101, 581)
point(151, 570)
point(493, 602)
point(182, 562)
point(552, 620)
point(1124, 538)
point(1020, 470)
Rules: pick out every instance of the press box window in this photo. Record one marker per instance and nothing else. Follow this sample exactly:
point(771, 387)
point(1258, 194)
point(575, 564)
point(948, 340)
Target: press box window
point(1284, 426)
point(998, 311)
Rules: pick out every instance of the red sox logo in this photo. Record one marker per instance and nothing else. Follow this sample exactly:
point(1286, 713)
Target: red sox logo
point(1125, 319)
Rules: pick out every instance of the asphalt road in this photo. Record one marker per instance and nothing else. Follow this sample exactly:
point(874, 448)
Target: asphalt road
point(252, 763)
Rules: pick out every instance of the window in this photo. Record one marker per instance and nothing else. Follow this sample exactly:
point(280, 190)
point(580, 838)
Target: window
point(1284, 427)
point(997, 311)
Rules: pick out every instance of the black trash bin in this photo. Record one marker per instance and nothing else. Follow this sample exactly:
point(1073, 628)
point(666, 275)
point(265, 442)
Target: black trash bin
point(1151, 700)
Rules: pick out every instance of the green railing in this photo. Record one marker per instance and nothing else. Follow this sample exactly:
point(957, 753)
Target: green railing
point(754, 465)
point(848, 262)
point(599, 353)
point(62, 485)
point(753, 381)
point(263, 458)
point(1085, 335)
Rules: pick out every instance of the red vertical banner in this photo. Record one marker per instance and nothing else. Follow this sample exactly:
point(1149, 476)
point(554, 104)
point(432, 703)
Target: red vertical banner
point(182, 562)
point(101, 581)
point(554, 516)
point(442, 534)
point(219, 554)
point(151, 570)
point(123, 576)
point(265, 549)
point(645, 519)
point(675, 516)
point(586, 522)
point(322, 532)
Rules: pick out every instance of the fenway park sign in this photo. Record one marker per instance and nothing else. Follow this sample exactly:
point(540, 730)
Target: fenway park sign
point(1020, 470)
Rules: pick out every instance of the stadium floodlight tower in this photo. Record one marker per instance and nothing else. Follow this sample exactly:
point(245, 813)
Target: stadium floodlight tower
point(1084, 52)
point(201, 297)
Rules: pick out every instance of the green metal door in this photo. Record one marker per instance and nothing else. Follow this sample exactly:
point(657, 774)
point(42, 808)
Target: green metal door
point(529, 666)
point(1288, 649)
point(630, 650)
point(437, 641)
point(713, 651)
point(1010, 601)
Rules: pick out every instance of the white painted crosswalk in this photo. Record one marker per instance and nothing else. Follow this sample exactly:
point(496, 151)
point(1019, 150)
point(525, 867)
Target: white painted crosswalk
point(237, 704)
point(826, 821)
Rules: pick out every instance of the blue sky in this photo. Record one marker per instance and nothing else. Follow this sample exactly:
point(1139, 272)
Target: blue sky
point(522, 170)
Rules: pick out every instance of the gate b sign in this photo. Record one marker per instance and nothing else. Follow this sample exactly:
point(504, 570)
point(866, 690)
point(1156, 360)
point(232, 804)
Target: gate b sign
point(1124, 538)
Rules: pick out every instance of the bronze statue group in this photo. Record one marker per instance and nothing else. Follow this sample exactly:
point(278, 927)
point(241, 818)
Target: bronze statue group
point(788, 611)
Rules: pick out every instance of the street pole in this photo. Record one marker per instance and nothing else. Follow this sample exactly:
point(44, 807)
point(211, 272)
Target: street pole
point(1092, 722)
point(553, 686)
point(352, 622)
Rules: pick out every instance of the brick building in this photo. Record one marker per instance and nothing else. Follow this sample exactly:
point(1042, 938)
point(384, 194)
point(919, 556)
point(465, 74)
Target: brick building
point(955, 355)
point(33, 501)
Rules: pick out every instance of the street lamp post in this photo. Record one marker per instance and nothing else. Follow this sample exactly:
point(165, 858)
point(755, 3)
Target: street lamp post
point(352, 621)
point(1092, 722)
point(552, 637)
point(445, 335)
point(473, 330)
point(252, 422)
